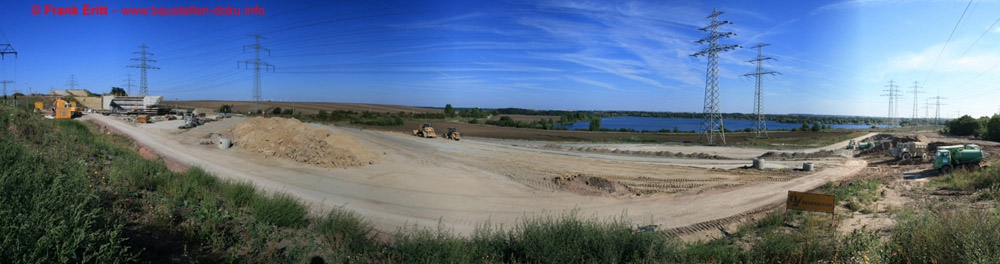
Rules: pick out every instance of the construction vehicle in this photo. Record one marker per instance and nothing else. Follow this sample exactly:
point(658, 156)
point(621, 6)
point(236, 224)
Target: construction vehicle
point(425, 131)
point(949, 157)
point(866, 145)
point(453, 134)
point(65, 110)
point(909, 150)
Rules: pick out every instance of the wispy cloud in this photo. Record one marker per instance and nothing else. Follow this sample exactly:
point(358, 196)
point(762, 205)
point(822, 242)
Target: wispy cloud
point(593, 82)
point(849, 4)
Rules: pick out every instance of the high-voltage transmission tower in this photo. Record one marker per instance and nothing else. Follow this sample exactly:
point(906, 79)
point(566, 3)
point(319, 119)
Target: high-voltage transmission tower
point(143, 66)
point(72, 82)
point(894, 94)
point(257, 63)
point(4, 50)
point(759, 93)
point(128, 85)
point(937, 109)
point(712, 123)
point(916, 90)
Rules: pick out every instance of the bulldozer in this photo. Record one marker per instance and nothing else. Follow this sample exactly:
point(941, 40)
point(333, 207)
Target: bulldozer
point(425, 131)
point(453, 134)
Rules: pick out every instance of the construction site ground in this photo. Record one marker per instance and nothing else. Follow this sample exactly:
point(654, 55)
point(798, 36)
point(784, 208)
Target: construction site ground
point(689, 189)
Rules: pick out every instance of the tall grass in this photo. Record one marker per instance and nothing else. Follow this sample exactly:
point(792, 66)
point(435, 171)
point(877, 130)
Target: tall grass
point(48, 209)
point(947, 236)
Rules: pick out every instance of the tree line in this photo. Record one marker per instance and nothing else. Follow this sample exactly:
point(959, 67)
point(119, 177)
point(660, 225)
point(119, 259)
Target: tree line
point(987, 128)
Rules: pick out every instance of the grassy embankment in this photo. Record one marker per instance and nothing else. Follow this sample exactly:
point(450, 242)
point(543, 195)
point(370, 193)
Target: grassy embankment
point(72, 194)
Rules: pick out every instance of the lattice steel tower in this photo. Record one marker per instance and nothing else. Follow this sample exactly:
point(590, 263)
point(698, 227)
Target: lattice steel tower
point(916, 90)
point(893, 94)
point(712, 123)
point(759, 93)
point(257, 63)
point(143, 66)
point(4, 50)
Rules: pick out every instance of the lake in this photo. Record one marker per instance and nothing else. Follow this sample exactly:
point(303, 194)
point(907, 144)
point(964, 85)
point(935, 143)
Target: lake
point(687, 124)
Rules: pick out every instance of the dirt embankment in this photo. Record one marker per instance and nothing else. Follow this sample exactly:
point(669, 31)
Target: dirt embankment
point(292, 139)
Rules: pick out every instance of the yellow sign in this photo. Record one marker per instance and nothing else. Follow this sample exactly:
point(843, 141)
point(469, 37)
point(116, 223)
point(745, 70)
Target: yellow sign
point(810, 202)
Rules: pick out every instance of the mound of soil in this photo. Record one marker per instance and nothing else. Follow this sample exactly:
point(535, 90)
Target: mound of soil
point(771, 155)
point(590, 185)
point(292, 139)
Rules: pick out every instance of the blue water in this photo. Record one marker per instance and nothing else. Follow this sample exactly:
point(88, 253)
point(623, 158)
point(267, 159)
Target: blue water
point(687, 124)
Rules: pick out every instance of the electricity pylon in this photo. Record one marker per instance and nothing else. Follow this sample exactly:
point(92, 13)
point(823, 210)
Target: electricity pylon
point(893, 94)
point(712, 123)
point(257, 63)
point(759, 93)
point(143, 66)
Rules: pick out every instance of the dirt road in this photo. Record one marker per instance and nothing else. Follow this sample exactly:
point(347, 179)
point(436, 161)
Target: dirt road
point(468, 183)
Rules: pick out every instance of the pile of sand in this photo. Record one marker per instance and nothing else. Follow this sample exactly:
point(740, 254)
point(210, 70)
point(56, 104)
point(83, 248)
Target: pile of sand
point(292, 139)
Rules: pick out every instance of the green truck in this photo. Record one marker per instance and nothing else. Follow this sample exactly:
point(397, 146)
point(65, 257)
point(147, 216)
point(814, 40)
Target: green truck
point(949, 157)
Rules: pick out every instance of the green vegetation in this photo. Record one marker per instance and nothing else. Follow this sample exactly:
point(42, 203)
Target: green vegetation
point(118, 91)
point(987, 128)
point(72, 195)
point(858, 193)
point(993, 129)
point(964, 126)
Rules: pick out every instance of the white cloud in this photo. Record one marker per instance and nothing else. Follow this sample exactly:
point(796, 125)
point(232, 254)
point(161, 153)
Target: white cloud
point(592, 82)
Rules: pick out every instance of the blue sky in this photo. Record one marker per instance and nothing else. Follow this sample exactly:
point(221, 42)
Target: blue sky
point(836, 57)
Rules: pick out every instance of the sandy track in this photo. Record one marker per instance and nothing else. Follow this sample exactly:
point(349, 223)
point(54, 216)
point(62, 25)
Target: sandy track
point(465, 184)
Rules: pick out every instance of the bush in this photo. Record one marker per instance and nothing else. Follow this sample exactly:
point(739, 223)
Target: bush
point(963, 126)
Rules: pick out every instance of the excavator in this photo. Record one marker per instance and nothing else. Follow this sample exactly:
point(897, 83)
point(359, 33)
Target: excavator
point(63, 109)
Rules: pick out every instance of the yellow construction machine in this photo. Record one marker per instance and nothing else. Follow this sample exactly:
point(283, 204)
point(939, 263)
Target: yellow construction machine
point(453, 134)
point(65, 109)
point(425, 131)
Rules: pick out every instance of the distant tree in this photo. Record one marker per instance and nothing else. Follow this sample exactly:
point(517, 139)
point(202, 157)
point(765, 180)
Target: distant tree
point(448, 110)
point(676, 130)
point(226, 109)
point(286, 112)
point(322, 115)
point(993, 129)
point(474, 121)
point(816, 127)
point(118, 91)
point(595, 124)
point(963, 126)
point(805, 127)
point(16, 95)
point(276, 111)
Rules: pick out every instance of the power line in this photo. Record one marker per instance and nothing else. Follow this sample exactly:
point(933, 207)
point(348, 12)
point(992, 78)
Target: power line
point(948, 41)
point(712, 123)
point(256, 67)
point(758, 94)
point(143, 66)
